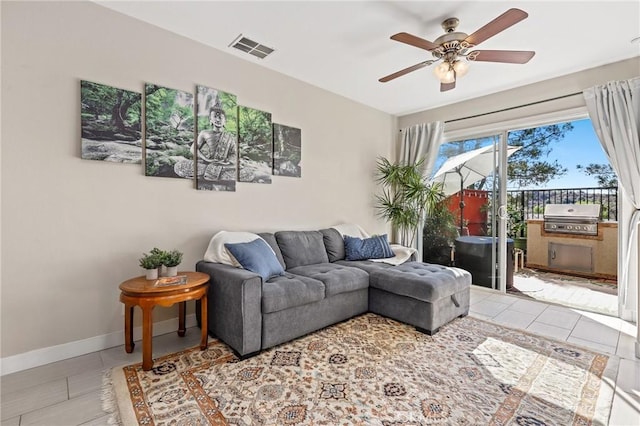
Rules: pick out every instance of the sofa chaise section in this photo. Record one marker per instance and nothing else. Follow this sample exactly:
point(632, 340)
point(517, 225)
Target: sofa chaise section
point(424, 295)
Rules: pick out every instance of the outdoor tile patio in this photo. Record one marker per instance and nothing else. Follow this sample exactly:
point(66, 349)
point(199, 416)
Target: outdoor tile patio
point(587, 294)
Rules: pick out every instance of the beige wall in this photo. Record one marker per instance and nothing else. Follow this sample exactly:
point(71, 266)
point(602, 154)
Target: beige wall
point(73, 229)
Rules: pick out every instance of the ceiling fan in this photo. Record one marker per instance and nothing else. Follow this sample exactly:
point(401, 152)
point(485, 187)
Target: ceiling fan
point(452, 49)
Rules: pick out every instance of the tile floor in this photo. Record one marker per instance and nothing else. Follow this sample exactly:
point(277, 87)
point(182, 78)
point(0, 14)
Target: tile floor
point(67, 393)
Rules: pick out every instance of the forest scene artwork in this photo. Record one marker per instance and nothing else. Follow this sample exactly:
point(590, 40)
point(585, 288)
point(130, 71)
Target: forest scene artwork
point(287, 152)
point(110, 121)
point(255, 145)
point(169, 132)
point(216, 146)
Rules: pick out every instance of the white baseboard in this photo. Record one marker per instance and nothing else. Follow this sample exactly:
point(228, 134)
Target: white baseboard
point(38, 357)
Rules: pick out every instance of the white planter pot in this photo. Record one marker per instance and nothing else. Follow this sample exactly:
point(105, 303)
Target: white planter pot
point(171, 271)
point(152, 274)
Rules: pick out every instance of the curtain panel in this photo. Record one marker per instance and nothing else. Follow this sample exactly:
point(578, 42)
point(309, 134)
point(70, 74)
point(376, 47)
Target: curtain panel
point(418, 142)
point(614, 109)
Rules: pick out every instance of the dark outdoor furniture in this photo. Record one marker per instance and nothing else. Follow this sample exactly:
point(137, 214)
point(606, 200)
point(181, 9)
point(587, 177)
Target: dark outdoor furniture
point(473, 253)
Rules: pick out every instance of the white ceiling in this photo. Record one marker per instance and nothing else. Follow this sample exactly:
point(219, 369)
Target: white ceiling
point(344, 46)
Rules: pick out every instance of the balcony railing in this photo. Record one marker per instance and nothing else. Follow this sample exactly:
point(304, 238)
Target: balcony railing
point(529, 203)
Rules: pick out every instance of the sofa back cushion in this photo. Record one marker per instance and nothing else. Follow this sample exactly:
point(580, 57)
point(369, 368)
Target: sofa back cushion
point(334, 244)
point(301, 248)
point(271, 240)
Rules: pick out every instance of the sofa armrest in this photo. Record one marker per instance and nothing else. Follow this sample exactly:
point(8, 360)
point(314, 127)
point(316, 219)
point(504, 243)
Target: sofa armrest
point(234, 306)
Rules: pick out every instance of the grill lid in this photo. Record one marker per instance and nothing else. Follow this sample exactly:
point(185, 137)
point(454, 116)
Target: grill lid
point(571, 211)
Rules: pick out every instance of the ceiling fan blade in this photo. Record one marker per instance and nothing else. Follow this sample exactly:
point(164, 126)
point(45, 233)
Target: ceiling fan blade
point(508, 56)
point(414, 41)
point(447, 86)
point(501, 23)
point(405, 71)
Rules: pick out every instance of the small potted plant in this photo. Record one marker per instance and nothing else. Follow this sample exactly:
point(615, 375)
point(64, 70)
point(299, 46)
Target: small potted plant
point(171, 260)
point(151, 262)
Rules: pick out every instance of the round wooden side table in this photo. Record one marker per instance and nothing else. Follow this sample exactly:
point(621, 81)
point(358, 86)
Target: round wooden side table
point(146, 294)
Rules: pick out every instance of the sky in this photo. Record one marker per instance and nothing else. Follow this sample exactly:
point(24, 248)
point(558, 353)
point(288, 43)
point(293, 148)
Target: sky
point(580, 146)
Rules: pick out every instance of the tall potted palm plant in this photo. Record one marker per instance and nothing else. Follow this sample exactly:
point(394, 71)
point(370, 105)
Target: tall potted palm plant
point(406, 197)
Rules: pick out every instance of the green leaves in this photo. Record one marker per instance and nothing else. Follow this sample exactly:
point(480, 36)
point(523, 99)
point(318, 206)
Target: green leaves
point(405, 197)
point(157, 258)
point(529, 166)
point(603, 173)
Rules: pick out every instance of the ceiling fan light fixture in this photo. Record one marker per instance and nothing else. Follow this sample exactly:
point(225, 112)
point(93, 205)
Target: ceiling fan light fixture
point(445, 72)
point(449, 77)
point(461, 67)
point(441, 70)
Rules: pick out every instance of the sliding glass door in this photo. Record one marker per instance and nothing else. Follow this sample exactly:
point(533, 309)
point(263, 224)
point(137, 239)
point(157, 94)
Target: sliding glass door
point(473, 173)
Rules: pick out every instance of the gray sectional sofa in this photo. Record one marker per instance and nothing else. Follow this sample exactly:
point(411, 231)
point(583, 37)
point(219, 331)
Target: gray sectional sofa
point(320, 288)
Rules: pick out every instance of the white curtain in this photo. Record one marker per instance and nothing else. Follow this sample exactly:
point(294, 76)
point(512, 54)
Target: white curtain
point(614, 109)
point(418, 142)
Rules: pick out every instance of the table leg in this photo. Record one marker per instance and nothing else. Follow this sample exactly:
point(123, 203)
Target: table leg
point(128, 329)
point(203, 322)
point(147, 336)
point(181, 318)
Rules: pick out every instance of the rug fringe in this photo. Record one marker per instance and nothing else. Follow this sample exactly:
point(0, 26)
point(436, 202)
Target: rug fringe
point(109, 401)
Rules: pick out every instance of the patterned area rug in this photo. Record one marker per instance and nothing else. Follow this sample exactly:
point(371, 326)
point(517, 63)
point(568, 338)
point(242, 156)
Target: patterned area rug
point(372, 370)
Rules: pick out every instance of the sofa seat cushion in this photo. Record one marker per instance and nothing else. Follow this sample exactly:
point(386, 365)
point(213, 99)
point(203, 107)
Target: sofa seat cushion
point(421, 281)
point(365, 265)
point(288, 291)
point(336, 278)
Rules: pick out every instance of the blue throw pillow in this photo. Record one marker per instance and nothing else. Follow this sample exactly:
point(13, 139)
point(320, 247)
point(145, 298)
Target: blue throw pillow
point(256, 256)
point(376, 247)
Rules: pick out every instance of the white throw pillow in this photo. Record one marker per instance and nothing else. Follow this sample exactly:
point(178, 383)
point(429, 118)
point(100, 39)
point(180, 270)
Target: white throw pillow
point(217, 252)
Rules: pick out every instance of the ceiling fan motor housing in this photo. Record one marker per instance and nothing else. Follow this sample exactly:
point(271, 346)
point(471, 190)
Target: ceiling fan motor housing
point(449, 25)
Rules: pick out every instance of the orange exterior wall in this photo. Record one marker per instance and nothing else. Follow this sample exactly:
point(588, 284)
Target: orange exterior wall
point(475, 214)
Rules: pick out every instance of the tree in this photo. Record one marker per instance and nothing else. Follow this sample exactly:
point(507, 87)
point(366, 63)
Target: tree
point(529, 165)
point(603, 173)
point(107, 111)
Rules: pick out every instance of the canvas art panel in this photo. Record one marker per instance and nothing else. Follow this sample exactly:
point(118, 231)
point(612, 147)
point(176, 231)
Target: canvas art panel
point(169, 132)
point(110, 123)
point(215, 149)
point(287, 151)
point(255, 147)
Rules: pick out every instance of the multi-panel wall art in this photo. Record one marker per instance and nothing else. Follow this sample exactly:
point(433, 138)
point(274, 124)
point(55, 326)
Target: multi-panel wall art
point(216, 146)
point(169, 132)
point(233, 143)
point(287, 152)
point(110, 121)
point(255, 147)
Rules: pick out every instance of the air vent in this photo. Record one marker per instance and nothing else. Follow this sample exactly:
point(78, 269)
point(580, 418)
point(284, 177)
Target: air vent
point(251, 47)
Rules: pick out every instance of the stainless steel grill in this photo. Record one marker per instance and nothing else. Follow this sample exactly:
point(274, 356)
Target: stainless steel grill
point(581, 219)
